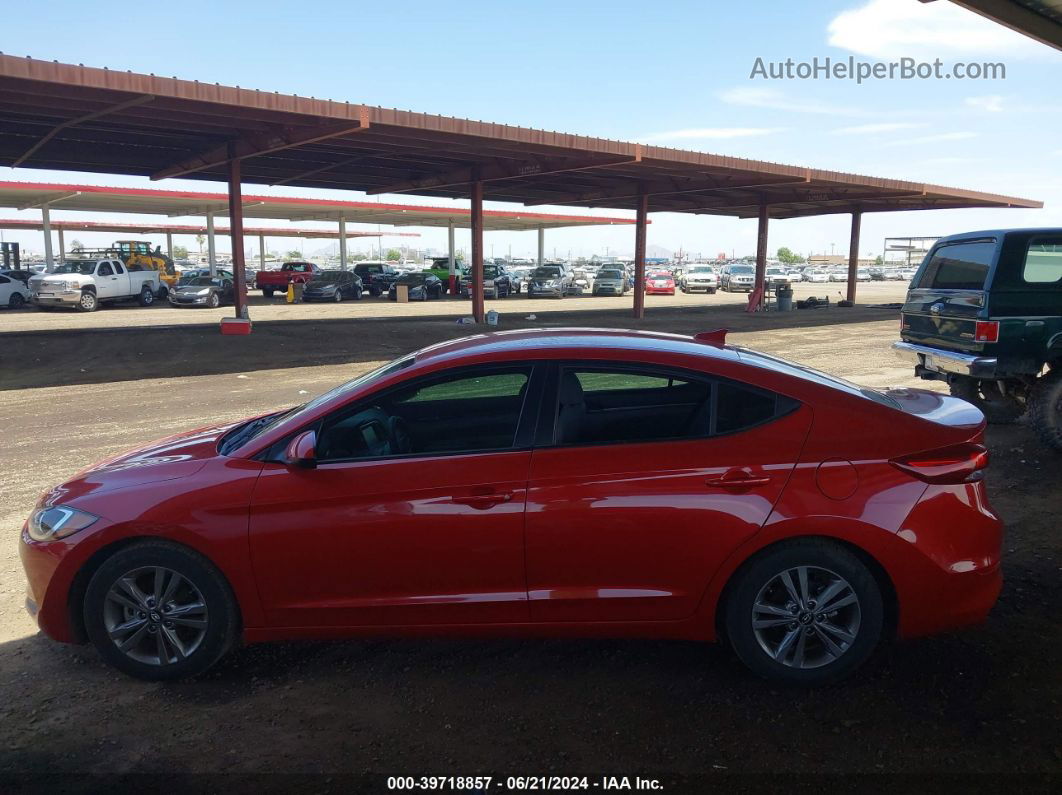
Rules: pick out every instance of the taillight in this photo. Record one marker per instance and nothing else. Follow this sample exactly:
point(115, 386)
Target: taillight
point(986, 331)
point(960, 463)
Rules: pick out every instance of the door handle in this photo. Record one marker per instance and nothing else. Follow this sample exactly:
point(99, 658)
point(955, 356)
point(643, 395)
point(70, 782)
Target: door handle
point(483, 501)
point(738, 481)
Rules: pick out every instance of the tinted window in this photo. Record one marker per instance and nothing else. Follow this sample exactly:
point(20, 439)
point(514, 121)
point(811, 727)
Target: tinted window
point(4, 280)
point(598, 406)
point(737, 407)
point(105, 270)
point(455, 414)
point(959, 266)
point(1043, 261)
point(118, 268)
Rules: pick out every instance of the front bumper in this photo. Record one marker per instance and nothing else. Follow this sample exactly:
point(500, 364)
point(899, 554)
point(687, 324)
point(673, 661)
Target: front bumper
point(197, 301)
point(706, 286)
point(608, 289)
point(58, 298)
point(535, 291)
point(659, 290)
point(932, 361)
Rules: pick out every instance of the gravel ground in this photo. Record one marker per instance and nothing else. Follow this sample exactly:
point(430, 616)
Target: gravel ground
point(980, 707)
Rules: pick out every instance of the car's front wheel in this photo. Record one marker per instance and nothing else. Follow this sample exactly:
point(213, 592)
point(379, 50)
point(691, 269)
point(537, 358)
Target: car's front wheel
point(160, 611)
point(804, 612)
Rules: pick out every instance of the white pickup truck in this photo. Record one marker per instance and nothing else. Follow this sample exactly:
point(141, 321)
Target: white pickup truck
point(86, 283)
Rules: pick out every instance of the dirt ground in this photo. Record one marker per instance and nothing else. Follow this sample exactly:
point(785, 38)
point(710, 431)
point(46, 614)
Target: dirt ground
point(982, 705)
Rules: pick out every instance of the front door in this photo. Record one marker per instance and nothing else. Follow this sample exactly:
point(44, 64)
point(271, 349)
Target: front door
point(653, 479)
point(106, 281)
point(414, 514)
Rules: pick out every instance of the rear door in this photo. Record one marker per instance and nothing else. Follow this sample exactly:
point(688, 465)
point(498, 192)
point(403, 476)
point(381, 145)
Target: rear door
point(650, 479)
point(950, 294)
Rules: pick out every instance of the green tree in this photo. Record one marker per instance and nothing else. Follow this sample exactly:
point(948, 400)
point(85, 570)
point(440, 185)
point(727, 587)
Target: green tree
point(878, 260)
point(200, 239)
point(180, 252)
point(293, 254)
point(393, 254)
point(787, 256)
point(76, 245)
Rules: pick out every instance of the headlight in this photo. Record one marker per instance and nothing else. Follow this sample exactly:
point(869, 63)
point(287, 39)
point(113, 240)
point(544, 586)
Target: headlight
point(58, 521)
point(204, 291)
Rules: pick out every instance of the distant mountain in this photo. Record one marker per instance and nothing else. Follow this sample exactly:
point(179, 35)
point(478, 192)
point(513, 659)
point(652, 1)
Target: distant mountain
point(658, 252)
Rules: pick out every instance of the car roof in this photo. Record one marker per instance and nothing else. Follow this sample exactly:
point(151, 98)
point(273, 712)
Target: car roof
point(561, 342)
point(1044, 230)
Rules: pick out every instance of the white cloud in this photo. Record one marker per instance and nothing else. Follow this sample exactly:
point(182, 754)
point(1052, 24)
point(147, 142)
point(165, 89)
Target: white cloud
point(933, 139)
point(896, 28)
point(878, 127)
point(710, 133)
point(776, 100)
point(993, 103)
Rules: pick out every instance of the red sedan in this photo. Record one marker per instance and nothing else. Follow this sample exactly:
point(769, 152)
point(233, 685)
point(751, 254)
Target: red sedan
point(571, 482)
point(659, 283)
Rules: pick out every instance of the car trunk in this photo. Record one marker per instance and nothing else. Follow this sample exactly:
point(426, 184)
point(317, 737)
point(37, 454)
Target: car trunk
point(944, 318)
point(954, 421)
point(950, 295)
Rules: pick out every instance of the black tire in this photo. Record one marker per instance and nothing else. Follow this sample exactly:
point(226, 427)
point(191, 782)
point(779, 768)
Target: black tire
point(753, 582)
point(163, 293)
point(338, 297)
point(267, 292)
point(357, 293)
point(88, 301)
point(1045, 409)
point(146, 297)
point(213, 300)
point(998, 408)
point(710, 291)
point(222, 614)
point(16, 301)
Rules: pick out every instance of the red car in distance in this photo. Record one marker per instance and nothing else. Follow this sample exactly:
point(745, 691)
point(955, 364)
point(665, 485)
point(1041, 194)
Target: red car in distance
point(659, 283)
point(569, 482)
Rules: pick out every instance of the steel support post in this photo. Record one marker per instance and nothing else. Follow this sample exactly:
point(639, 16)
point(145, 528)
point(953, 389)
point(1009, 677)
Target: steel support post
point(639, 255)
point(46, 221)
point(211, 249)
point(477, 252)
point(760, 286)
point(853, 255)
point(453, 259)
point(343, 244)
point(236, 239)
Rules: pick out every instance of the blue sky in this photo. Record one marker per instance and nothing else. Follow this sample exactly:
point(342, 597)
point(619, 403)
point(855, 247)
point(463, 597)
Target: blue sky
point(672, 73)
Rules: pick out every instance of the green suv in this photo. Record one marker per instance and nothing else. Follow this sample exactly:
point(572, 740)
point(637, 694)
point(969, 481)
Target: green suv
point(984, 314)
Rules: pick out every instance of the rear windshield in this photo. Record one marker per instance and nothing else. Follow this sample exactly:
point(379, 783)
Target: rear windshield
point(1043, 261)
point(298, 267)
point(959, 266)
point(331, 277)
point(810, 374)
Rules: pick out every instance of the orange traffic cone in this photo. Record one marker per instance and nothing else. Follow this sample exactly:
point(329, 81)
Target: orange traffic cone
point(291, 293)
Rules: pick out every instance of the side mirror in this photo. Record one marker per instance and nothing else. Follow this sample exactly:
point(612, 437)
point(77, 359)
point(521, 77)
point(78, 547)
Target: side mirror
point(300, 451)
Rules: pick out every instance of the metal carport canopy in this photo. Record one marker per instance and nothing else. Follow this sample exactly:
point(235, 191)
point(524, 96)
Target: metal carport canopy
point(61, 116)
point(173, 203)
point(183, 229)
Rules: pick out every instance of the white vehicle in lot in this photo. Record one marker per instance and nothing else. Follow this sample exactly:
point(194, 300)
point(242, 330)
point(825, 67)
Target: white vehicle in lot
point(794, 274)
point(85, 284)
point(699, 277)
point(13, 292)
point(816, 276)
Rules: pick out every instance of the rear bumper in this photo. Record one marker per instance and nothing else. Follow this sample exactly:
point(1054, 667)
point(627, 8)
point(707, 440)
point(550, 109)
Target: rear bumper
point(935, 360)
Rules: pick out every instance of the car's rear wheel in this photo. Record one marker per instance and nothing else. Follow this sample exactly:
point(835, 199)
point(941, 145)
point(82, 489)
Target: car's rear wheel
point(16, 301)
point(804, 612)
point(160, 611)
point(999, 407)
point(1045, 408)
point(147, 296)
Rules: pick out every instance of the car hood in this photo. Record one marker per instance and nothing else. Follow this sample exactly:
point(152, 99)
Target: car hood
point(170, 458)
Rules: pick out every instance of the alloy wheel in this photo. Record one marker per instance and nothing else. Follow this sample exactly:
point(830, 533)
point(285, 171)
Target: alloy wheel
point(806, 617)
point(155, 616)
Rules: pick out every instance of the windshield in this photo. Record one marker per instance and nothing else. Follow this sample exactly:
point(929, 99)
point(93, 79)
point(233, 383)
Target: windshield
point(203, 281)
point(741, 269)
point(85, 268)
point(330, 277)
point(547, 273)
point(609, 274)
point(297, 267)
point(412, 278)
point(242, 434)
point(701, 269)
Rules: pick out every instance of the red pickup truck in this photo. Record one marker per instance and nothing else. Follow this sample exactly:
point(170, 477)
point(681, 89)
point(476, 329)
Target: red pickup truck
point(270, 282)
